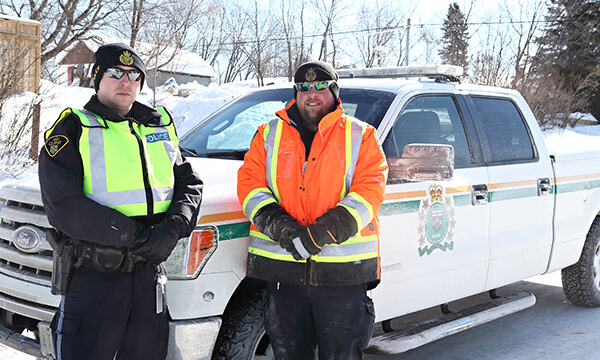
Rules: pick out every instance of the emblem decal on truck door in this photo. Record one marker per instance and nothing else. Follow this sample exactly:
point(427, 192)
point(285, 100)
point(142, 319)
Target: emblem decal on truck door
point(436, 221)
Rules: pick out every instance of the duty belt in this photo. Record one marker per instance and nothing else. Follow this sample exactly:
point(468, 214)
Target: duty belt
point(107, 259)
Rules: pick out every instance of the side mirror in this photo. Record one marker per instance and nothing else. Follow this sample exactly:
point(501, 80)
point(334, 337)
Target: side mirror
point(423, 162)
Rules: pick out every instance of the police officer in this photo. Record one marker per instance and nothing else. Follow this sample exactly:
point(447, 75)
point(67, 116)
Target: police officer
point(311, 184)
point(115, 185)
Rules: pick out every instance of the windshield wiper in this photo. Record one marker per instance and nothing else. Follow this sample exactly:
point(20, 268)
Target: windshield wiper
point(188, 151)
point(236, 154)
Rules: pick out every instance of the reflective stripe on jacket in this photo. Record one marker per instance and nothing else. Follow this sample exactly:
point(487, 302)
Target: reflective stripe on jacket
point(115, 156)
point(345, 167)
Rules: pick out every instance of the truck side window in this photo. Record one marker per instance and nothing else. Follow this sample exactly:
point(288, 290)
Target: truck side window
point(429, 120)
point(505, 130)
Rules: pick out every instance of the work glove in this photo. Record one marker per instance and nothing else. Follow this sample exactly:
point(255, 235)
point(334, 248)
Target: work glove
point(289, 232)
point(159, 240)
point(308, 241)
point(273, 221)
point(335, 226)
point(338, 223)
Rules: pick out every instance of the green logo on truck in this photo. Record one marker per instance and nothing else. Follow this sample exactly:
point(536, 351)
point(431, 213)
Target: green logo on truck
point(436, 221)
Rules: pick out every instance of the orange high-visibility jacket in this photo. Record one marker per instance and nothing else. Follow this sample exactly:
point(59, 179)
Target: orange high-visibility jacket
point(346, 166)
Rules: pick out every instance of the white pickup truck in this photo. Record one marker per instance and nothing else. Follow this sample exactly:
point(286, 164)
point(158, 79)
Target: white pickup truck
point(503, 210)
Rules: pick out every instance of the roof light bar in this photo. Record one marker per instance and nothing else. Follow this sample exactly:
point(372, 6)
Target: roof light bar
point(403, 71)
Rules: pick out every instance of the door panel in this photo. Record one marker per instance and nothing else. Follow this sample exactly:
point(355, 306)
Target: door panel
point(521, 202)
point(434, 237)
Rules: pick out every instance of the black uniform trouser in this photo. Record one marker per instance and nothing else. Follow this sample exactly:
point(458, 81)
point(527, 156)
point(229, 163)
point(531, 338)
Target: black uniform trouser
point(104, 314)
point(336, 320)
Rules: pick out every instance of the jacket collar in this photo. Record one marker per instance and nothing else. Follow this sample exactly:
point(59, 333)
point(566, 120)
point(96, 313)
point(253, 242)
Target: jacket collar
point(140, 113)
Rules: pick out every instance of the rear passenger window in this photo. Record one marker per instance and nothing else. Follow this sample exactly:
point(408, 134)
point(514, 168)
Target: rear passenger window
point(429, 120)
point(504, 129)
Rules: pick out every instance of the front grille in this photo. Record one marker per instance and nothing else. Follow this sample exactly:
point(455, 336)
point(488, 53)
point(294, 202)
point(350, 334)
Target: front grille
point(34, 268)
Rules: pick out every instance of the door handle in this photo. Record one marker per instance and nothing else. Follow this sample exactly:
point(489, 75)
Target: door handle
point(479, 194)
point(544, 187)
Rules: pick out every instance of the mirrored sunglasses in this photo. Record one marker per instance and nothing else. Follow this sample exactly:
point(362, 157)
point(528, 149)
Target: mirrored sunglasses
point(319, 86)
point(116, 73)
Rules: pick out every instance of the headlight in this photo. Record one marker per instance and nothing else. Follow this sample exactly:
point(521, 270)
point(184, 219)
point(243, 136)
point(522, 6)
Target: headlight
point(192, 253)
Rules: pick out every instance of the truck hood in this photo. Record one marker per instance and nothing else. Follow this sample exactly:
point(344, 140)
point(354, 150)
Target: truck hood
point(219, 196)
point(216, 171)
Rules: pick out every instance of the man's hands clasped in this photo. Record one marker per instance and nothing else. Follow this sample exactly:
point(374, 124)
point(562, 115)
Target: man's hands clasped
point(304, 241)
point(158, 241)
point(333, 227)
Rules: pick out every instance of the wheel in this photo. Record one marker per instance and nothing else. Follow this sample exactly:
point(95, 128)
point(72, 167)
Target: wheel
point(242, 335)
point(581, 281)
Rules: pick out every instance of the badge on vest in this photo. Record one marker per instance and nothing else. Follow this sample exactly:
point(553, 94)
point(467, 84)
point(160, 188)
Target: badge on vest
point(55, 143)
point(164, 136)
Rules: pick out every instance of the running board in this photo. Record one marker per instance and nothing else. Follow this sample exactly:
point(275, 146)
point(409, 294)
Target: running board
point(416, 335)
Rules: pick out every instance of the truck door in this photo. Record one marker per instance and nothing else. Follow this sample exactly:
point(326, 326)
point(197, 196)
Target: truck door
point(519, 192)
point(434, 240)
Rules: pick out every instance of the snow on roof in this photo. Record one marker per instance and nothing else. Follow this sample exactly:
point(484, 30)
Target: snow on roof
point(8, 17)
point(184, 62)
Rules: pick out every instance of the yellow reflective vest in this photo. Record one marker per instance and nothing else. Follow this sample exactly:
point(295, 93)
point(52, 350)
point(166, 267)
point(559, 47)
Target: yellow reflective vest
point(127, 166)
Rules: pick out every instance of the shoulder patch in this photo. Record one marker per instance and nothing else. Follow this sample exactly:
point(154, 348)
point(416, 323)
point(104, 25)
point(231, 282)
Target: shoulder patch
point(55, 143)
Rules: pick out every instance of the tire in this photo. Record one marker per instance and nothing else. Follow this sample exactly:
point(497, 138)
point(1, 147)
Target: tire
point(581, 281)
point(242, 335)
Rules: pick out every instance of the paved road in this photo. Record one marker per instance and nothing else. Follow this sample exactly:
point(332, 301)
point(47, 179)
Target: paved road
point(551, 330)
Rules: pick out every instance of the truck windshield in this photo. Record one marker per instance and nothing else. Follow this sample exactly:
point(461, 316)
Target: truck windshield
point(227, 133)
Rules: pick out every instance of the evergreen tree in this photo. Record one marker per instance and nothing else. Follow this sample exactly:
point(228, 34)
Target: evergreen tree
point(571, 40)
point(455, 41)
point(570, 48)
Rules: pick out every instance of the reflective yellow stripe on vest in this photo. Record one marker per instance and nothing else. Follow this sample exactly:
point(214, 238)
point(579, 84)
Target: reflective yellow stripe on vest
point(354, 249)
point(260, 197)
point(112, 163)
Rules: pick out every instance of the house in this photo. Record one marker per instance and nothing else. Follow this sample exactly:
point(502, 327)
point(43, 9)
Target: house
point(184, 66)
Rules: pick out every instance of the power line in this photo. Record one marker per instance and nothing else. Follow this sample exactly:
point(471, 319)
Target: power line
point(402, 27)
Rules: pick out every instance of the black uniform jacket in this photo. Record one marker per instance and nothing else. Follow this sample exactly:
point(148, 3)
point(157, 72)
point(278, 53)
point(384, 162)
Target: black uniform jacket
point(70, 211)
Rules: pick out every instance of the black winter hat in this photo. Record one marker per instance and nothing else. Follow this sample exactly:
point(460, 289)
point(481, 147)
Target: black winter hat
point(317, 71)
point(116, 54)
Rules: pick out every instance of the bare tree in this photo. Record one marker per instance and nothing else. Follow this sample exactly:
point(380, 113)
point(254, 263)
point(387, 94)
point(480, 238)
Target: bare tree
point(293, 35)
point(490, 64)
point(525, 25)
point(236, 62)
point(135, 14)
point(210, 32)
point(329, 11)
point(429, 42)
point(377, 25)
point(167, 34)
point(261, 28)
point(63, 21)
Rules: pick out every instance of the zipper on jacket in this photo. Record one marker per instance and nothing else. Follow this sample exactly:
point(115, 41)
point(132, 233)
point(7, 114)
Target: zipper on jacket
point(147, 188)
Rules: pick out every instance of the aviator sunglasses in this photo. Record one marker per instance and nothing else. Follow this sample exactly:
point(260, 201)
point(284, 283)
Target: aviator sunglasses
point(116, 73)
point(319, 86)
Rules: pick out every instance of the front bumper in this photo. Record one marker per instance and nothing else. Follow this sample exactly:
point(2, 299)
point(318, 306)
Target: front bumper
point(188, 339)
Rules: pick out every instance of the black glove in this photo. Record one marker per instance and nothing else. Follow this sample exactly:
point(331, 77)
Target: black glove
point(273, 221)
point(338, 223)
point(333, 227)
point(306, 241)
point(159, 240)
point(290, 232)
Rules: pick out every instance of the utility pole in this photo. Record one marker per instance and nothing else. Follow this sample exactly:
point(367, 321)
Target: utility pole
point(407, 38)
